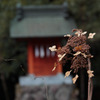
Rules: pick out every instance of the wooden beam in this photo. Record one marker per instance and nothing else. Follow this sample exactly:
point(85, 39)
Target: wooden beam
point(30, 58)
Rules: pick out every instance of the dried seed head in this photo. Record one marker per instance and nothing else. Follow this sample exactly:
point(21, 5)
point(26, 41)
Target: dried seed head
point(75, 52)
point(79, 62)
point(78, 48)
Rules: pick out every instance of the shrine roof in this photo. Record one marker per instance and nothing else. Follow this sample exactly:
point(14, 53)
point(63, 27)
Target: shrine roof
point(41, 21)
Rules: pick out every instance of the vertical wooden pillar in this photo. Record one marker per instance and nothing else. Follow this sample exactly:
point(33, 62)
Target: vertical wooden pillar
point(30, 58)
point(59, 68)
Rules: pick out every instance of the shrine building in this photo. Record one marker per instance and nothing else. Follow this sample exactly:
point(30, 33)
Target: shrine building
point(42, 27)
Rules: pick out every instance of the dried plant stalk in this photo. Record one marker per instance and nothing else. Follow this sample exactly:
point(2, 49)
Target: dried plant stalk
point(77, 51)
point(90, 83)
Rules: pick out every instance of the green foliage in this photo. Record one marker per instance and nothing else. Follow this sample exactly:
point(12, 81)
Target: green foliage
point(86, 13)
point(12, 53)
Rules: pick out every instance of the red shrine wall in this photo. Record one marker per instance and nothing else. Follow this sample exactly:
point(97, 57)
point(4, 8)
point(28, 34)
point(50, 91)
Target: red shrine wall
point(41, 60)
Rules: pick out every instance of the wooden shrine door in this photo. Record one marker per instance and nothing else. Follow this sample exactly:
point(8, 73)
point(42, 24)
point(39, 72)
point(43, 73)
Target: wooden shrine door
point(41, 60)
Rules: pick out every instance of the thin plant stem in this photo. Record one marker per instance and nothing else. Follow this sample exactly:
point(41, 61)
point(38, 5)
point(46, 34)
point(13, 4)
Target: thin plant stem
point(90, 83)
point(91, 91)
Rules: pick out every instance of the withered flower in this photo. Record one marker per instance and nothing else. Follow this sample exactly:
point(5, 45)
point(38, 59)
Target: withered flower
point(62, 56)
point(76, 51)
point(78, 32)
point(90, 73)
point(54, 66)
point(91, 35)
point(84, 33)
point(53, 48)
point(75, 79)
point(84, 55)
point(67, 73)
point(59, 56)
point(68, 35)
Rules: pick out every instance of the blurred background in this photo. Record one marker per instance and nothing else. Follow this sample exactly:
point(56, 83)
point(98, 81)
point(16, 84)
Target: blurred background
point(13, 55)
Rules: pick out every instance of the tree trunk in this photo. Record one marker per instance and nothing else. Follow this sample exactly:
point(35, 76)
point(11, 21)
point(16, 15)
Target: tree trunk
point(4, 87)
